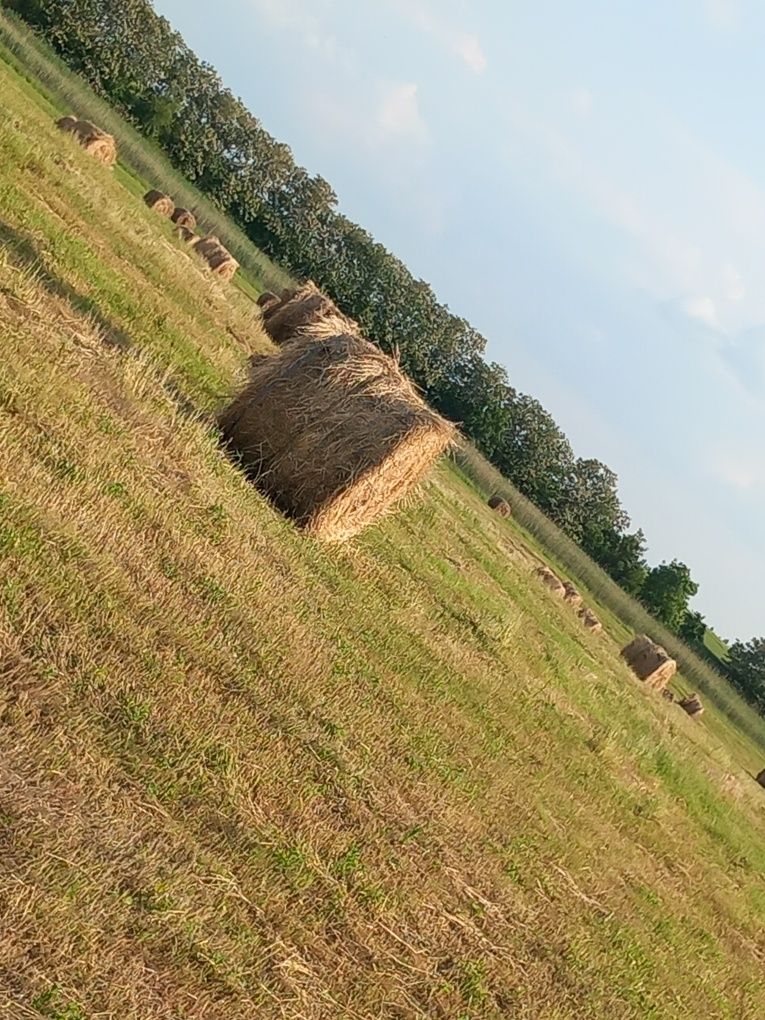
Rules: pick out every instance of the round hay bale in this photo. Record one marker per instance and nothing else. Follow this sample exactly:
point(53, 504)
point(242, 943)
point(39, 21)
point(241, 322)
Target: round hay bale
point(590, 620)
point(760, 777)
point(307, 312)
point(571, 595)
point(551, 581)
point(184, 218)
point(207, 245)
point(159, 202)
point(67, 123)
point(187, 236)
point(499, 505)
point(223, 264)
point(333, 432)
point(692, 705)
point(649, 661)
point(268, 303)
point(103, 148)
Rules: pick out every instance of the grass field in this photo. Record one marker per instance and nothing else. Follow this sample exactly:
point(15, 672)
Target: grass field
point(243, 775)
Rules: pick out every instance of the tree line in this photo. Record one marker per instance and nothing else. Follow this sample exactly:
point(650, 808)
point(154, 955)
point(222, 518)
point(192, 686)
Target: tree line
point(134, 58)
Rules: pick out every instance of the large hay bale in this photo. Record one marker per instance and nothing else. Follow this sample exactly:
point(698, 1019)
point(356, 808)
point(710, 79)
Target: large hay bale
point(184, 218)
point(333, 432)
point(499, 505)
point(551, 581)
point(159, 202)
point(571, 595)
point(590, 620)
point(692, 705)
point(649, 661)
point(307, 312)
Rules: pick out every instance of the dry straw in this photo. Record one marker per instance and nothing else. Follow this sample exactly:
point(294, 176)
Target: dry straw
point(307, 312)
point(159, 202)
point(333, 432)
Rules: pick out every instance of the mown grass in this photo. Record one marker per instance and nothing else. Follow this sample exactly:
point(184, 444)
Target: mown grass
point(245, 775)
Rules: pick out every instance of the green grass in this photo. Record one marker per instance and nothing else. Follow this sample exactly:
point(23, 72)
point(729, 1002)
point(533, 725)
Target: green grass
point(716, 645)
point(246, 775)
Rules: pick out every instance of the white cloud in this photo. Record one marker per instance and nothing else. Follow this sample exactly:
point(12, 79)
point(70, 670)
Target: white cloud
point(464, 45)
point(581, 101)
point(703, 309)
point(725, 14)
point(398, 115)
point(742, 470)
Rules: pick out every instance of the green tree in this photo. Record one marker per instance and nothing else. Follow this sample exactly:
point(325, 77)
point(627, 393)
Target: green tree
point(746, 669)
point(666, 592)
point(693, 628)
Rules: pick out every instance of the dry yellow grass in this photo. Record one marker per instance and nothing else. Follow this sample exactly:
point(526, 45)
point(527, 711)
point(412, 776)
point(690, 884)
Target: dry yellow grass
point(242, 775)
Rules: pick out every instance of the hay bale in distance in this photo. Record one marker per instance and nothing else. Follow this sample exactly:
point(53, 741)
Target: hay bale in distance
point(187, 236)
point(760, 777)
point(223, 264)
point(98, 143)
point(184, 218)
point(590, 620)
point(307, 312)
point(668, 694)
point(692, 705)
point(333, 432)
point(159, 202)
point(206, 245)
point(268, 302)
point(551, 581)
point(649, 661)
point(500, 506)
point(571, 595)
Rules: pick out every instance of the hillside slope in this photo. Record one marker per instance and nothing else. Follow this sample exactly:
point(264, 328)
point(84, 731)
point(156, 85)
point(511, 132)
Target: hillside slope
point(242, 775)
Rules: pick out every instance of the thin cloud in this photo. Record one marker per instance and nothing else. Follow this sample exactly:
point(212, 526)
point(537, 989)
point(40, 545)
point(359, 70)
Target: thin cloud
point(398, 116)
point(464, 45)
point(723, 14)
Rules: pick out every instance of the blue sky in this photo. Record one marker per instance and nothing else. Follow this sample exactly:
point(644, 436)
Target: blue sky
point(585, 182)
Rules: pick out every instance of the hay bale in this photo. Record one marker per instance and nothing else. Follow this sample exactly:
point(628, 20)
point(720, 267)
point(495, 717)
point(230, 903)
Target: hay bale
point(333, 432)
point(268, 302)
point(590, 620)
point(692, 705)
point(184, 218)
point(500, 506)
point(307, 312)
point(187, 236)
point(551, 581)
point(207, 245)
point(103, 148)
point(649, 661)
point(760, 777)
point(66, 124)
point(571, 595)
point(668, 694)
point(223, 264)
point(159, 202)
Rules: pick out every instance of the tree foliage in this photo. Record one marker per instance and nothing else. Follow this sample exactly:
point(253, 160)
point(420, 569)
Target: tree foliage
point(666, 592)
point(746, 669)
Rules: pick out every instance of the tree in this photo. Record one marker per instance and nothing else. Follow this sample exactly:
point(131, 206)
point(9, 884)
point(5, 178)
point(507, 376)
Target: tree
point(622, 556)
point(666, 592)
point(746, 669)
point(693, 628)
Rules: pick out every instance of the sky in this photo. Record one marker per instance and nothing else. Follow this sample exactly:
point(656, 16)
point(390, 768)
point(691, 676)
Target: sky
point(584, 182)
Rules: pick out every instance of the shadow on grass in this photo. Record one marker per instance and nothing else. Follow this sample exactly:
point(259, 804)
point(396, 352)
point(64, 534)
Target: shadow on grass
point(26, 255)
